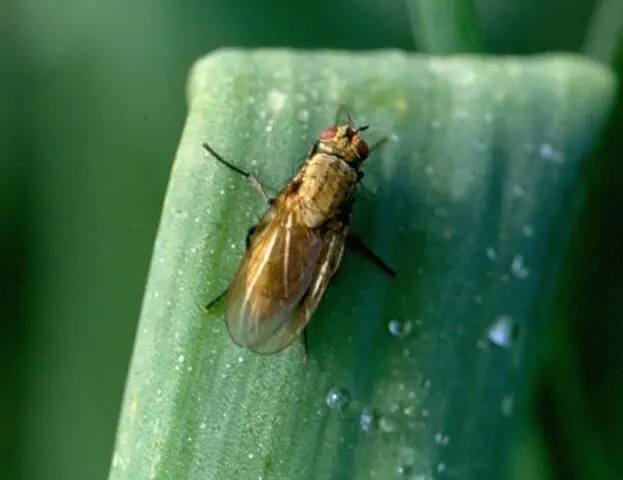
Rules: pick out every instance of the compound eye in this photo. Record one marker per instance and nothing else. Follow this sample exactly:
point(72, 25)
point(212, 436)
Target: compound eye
point(362, 150)
point(328, 133)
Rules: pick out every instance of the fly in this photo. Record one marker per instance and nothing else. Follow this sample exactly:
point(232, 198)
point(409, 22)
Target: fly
point(296, 247)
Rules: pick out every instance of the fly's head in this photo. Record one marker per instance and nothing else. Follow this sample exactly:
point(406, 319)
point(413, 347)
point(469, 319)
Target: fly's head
point(345, 142)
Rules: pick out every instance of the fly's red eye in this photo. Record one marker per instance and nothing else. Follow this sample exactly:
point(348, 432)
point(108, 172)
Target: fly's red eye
point(328, 133)
point(362, 150)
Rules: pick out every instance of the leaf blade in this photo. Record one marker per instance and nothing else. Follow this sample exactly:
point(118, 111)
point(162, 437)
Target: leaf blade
point(484, 155)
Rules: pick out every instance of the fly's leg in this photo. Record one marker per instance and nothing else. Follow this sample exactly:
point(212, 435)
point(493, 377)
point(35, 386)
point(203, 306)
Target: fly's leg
point(377, 144)
point(215, 301)
point(305, 346)
point(255, 183)
point(353, 241)
point(250, 236)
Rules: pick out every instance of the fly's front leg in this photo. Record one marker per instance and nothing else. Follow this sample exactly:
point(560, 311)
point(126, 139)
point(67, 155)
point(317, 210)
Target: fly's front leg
point(378, 144)
point(353, 241)
point(255, 183)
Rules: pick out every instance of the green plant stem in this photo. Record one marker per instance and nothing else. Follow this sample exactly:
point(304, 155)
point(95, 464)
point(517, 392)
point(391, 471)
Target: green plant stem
point(604, 37)
point(445, 26)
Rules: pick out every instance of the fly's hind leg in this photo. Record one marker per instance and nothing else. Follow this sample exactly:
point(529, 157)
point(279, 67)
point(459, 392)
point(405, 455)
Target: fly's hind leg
point(353, 241)
point(255, 183)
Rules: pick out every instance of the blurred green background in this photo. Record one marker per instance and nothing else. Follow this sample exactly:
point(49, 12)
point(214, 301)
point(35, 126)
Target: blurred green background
point(92, 103)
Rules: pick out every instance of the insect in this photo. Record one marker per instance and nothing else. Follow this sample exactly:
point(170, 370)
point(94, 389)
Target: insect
point(296, 248)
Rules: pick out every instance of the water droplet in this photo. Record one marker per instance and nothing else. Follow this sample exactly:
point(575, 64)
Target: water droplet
point(338, 397)
point(441, 467)
point(409, 410)
point(507, 405)
point(519, 191)
point(491, 253)
point(503, 331)
point(548, 152)
point(276, 100)
point(518, 267)
point(441, 439)
point(527, 230)
point(398, 328)
point(304, 115)
point(403, 470)
point(387, 425)
point(368, 419)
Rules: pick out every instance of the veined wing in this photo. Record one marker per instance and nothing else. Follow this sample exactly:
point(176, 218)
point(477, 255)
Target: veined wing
point(277, 271)
point(328, 263)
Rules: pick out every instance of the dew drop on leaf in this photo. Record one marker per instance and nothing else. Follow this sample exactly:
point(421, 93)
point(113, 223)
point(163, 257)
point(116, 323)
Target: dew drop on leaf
point(409, 410)
point(441, 439)
point(548, 152)
point(527, 230)
point(303, 115)
point(403, 470)
point(338, 397)
point(507, 405)
point(398, 328)
point(491, 253)
point(368, 419)
point(503, 331)
point(387, 425)
point(518, 267)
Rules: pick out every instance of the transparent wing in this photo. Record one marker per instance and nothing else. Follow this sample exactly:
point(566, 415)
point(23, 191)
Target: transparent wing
point(329, 261)
point(272, 280)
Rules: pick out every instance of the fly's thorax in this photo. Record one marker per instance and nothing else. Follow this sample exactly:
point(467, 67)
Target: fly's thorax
point(326, 183)
point(345, 142)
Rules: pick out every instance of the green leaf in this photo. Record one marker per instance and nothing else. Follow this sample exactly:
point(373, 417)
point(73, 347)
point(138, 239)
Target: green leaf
point(470, 201)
